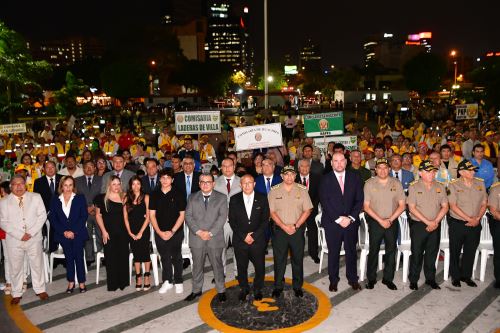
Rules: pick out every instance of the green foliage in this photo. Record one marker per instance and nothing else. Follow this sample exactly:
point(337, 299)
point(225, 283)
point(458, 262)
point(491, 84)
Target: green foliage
point(210, 77)
point(488, 76)
point(125, 79)
point(424, 73)
point(19, 74)
point(66, 97)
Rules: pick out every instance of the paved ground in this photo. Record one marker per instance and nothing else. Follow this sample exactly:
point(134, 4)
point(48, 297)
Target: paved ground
point(447, 310)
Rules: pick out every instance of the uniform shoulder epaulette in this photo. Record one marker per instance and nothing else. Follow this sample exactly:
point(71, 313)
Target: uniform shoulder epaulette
point(275, 186)
point(481, 179)
point(495, 185)
point(453, 181)
point(301, 186)
point(414, 182)
point(440, 182)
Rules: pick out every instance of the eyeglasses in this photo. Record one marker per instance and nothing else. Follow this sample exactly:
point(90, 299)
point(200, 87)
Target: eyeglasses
point(188, 163)
point(206, 183)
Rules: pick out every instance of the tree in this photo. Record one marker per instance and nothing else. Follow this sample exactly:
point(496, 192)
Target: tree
point(488, 76)
point(125, 79)
point(424, 73)
point(19, 74)
point(66, 97)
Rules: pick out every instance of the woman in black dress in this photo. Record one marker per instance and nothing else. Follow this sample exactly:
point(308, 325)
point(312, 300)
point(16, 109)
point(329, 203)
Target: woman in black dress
point(136, 216)
point(109, 217)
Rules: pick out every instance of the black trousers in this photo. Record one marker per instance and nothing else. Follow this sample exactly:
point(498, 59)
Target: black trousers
point(171, 255)
point(312, 235)
point(464, 237)
point(495, 234)
point(377, 233)
point(424, 249)
point(255, 254)
point(282, 242)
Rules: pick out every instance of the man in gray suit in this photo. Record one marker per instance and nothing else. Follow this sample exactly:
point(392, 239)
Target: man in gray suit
point(228, 184)
point(118, 170)
point(90, 186)
point(206, 214)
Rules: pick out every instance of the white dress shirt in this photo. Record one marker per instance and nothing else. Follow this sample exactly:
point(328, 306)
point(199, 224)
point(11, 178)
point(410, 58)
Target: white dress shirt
point(248, 200)
point(66, 208)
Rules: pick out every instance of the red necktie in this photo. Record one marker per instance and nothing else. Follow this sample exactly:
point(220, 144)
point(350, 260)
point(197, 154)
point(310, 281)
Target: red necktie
point(228, 185)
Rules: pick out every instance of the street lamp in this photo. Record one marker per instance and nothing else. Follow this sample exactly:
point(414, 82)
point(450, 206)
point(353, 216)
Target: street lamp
point(453, 53)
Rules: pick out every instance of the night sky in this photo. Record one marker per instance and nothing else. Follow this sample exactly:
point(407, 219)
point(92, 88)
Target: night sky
point(471, 27)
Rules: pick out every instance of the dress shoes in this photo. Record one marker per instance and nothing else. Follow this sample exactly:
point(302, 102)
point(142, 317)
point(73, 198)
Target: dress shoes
point(43, 296)
point(15, 300)
point(221, 297)
point(456, 283)
point(257, 296)
point(298, 292)
point(192, 297)
point(370, 284)
point(333, 286)
point(276, 293)
point(243, 295)
point(432, 284)
point(469, 282)
point(390, 285)
point(413, 286)
point(355, 285)
point(315, 259)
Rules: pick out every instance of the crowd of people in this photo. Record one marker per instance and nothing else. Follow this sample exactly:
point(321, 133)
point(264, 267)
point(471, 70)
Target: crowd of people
point(131, 193)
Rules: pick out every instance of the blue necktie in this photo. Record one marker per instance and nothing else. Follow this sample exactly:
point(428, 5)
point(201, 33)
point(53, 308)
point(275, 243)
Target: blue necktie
point(52, 186)
point(152, 183)
point(268, 185)
point(188, 187)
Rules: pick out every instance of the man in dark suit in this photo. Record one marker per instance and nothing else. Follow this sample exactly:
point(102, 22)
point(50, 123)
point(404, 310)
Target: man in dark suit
point(269, 177)
point(404, 176)
point(341, 196)
point(311, 181)
point(307, 154)
point(150, 181)
point(118, 170)
point(249, 218)
point(187, 181)
point(90, 186)
point(47, 187)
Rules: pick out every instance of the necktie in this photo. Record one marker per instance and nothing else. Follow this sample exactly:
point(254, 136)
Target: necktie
point(228, 185)
point(52, 186)
point(21, 204)
point(152, 183)
point(304, 182)
point(341, 183)
point(206, 200)
point(188, 186)
point(268, 185)
point(89, 182)
point(397, 174)
point(118, 174)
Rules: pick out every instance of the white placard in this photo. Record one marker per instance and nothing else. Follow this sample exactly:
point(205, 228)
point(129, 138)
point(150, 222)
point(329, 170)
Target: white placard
point(255, 137)
point(197, 122)
point(350, 142)
point(13, 128)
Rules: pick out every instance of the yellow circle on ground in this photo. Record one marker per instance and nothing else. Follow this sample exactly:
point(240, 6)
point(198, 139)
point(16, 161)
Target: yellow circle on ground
point(208, 316)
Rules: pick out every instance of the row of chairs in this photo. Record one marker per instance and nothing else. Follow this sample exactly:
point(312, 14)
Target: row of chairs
point(404, 246)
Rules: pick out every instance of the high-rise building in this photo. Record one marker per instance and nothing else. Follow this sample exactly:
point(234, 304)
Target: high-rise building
point(310, 57)
point(180, 12)
point(65, 52)
point(228, 38)
point(421, 39)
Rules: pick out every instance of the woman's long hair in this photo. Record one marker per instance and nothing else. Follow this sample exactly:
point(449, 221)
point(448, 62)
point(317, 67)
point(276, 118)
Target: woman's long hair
point(108, 190)
point(130, 196)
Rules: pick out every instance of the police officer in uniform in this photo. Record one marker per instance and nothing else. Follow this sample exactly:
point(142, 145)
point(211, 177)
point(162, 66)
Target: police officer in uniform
point(494, 221)
point(290, 206)
point(384, 202)
point(468, 201)
point(428, 204)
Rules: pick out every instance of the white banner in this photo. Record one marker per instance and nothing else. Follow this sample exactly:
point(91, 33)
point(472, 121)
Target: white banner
point(350, 142)
point(466, 111)
point(197, 122)
point(13, 128)
point(255, 137)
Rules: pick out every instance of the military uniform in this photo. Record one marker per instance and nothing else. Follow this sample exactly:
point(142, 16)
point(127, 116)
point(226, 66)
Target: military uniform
point(289, 206)
point(494, 202)
point(469, 200)
point(424, 244)
point(384, 200)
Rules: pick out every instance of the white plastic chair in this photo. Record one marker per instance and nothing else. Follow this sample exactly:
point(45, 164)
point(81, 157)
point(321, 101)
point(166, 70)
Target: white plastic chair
point(186, 251)
point(365, 249)
point(154, 261)
point(485, 246)
point(405, 245)
point(321, 241)
point(99, 256)
point(59, 254)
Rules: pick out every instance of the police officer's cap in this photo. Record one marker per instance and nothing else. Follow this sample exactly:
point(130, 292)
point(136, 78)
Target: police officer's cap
point(287, 168)
point(426, 165)
point(466, 165)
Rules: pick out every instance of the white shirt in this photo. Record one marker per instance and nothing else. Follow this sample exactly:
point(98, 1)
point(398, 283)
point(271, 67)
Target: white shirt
point(400, 174)
point(231, 179)
point(338, 174)
point(248, 200)
point(302, 179)
point(66, 208)
point(54, 178)
point(78, 172)
point(270, 180)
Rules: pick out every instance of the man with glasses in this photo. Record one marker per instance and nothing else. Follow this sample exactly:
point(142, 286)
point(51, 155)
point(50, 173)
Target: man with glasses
point(206, 214)
point(187, 181)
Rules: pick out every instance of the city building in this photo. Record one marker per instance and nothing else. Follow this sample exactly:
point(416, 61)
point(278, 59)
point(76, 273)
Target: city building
point(180, 12)
point(310, 57)
point(420, 39)
point(192, 38)
point(65, 52)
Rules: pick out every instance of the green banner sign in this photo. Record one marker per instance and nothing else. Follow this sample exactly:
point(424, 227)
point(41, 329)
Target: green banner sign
point(324, 124)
